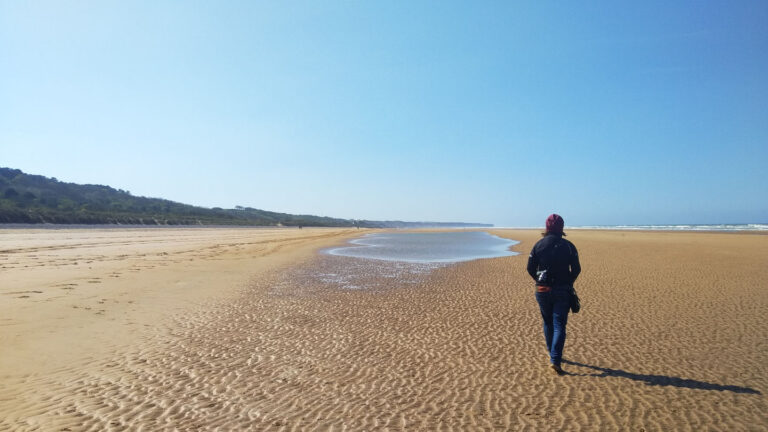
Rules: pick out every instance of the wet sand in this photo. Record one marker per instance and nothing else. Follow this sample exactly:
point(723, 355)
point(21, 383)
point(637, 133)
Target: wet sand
point(253, 330)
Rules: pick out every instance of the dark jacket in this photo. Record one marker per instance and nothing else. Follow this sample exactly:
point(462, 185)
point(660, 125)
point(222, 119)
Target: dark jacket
point(554, 261)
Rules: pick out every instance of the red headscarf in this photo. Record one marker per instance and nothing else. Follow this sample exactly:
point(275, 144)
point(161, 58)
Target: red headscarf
point(555, 224)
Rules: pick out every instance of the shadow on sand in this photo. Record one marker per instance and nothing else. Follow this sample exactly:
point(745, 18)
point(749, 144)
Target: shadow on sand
point(662, 380)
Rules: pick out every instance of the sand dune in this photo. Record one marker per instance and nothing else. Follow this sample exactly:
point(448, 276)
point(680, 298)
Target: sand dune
point(253, 330)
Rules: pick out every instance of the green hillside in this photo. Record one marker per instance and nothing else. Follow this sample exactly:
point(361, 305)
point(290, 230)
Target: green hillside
point(35, 199)
point(26, 198)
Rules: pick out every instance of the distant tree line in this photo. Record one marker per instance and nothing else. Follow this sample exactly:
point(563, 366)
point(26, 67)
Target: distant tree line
point(33, 199)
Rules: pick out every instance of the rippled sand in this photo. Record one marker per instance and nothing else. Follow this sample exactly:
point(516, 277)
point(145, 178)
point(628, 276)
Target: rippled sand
point(253, 330)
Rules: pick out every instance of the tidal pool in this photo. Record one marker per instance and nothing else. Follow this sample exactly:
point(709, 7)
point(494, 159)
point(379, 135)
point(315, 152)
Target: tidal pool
point(437, 247)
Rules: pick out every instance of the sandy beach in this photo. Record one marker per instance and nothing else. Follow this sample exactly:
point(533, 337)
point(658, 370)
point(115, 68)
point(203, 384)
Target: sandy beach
point(253, 329)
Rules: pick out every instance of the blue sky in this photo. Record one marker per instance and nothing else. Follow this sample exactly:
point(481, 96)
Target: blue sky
point(498, 112)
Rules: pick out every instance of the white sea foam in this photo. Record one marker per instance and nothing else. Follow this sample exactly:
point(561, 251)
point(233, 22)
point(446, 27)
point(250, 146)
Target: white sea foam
point(684, 227)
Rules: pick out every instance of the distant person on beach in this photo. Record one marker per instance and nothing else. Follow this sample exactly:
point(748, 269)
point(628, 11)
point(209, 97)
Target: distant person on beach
point(554, 265)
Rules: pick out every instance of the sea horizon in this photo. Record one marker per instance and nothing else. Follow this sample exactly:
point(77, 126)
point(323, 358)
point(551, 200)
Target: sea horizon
point(643, 227)
point(665, 227)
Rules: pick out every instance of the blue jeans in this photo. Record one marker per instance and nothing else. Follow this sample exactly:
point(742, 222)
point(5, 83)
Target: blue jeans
point(554, 306)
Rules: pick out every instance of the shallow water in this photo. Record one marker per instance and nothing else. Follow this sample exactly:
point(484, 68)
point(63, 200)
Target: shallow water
point(439, 247)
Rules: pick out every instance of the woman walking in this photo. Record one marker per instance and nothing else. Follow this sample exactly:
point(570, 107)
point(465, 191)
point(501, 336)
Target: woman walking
point(554, 265)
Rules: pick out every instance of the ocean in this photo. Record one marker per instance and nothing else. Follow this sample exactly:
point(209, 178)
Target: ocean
point(683, 227)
